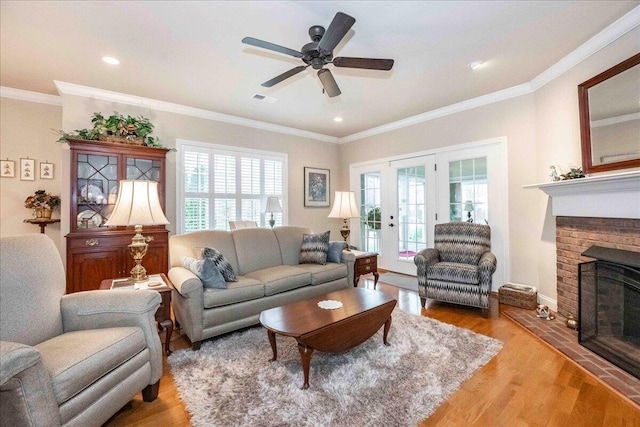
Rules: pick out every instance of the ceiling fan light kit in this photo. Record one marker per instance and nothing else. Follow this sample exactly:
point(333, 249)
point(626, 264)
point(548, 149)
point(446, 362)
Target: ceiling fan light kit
point(319, 53)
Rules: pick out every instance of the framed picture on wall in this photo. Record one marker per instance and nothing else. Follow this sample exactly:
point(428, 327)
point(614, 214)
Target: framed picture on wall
point(316, 187)
point(46, 170)
point(27, 169)
point(7, 168)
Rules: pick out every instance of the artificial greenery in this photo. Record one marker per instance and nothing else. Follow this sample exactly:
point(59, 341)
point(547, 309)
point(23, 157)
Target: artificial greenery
point(115, 125)
point(373, 218)
point(42, 199)
point(573, 174)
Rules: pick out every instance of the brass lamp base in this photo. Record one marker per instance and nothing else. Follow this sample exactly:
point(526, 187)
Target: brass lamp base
point(344, 231)
point(138, 249)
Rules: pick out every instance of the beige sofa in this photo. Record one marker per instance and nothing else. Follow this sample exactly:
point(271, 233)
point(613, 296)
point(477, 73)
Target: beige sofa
point(266, 262)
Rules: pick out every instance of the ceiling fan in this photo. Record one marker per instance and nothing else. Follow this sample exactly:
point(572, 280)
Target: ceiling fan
point(319, 53)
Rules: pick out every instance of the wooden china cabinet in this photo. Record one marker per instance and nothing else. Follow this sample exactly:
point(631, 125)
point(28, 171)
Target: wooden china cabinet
point(96, 252)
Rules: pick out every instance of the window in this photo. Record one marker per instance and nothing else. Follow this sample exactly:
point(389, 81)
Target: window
point(218, 184)
point(370, 212)
point(468, 188)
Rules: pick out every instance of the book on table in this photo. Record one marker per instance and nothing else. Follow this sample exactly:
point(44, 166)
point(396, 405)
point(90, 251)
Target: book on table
point(154, 281)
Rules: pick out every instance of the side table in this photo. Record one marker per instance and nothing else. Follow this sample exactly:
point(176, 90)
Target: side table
point(366, 262)
point(163, 315)
point(42, 222)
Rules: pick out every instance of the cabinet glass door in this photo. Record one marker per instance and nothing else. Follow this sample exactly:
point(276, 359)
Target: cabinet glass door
point(97, 185)
point(144, 169)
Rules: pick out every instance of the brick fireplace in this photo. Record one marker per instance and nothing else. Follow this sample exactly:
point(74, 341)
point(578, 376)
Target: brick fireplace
point(574, 235)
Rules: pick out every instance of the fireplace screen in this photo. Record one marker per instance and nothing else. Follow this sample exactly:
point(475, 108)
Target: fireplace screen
point(609, 305)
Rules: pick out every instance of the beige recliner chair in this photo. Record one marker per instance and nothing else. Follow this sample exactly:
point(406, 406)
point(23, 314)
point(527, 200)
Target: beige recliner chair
point(71, 360)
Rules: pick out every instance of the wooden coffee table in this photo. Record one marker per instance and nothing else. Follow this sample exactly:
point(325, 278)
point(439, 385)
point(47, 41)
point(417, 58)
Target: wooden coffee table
point(363, 313)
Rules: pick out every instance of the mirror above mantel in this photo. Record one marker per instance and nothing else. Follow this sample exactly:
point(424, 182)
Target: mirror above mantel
point(609, 106)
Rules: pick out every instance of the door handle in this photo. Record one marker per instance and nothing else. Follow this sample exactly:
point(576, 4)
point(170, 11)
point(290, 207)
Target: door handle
point(391, 225)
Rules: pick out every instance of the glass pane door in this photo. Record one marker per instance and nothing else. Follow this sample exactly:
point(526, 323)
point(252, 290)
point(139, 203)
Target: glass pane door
point(370, 212)
point(97, 184)
point(412, 234)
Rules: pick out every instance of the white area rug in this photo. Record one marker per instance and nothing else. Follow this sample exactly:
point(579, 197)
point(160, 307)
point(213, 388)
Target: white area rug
point(398, 280)
point(230, 381)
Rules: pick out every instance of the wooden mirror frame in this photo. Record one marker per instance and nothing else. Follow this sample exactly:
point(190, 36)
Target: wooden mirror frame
point(585, 128)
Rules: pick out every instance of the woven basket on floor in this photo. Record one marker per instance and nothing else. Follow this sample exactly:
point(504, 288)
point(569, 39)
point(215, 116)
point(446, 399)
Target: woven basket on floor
point(518, 296)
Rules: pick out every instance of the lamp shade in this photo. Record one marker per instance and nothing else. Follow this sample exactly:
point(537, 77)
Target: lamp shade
point(468, 205)
point(273, 205)
point(137, 204)
point(344, 205)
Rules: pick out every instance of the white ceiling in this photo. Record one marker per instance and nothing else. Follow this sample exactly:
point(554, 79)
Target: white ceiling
point(190, 53)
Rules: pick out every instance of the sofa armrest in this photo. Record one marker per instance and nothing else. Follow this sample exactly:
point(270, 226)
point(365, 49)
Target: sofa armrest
point(487, 266)
point(26, 392)
point(184, 281)
point(348, 258)
point(116, 308)
point(426, 257)
point(188, 302)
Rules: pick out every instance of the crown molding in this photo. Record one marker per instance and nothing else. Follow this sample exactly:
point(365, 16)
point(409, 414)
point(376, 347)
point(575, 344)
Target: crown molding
point(26, 95)
point(617, 29)
point(123, 98)
point(490, 98)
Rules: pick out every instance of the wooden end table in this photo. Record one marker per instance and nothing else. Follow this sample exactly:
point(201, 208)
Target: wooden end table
point(366, 262)
point(163, 314)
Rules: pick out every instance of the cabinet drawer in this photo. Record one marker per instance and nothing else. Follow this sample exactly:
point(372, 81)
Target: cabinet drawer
point(366, 265)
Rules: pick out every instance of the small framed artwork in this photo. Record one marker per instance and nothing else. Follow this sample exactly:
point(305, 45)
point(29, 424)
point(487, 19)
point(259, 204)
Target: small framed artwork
point(27, 169)
point(7, 168)
point(46, 170)
point(316, 187)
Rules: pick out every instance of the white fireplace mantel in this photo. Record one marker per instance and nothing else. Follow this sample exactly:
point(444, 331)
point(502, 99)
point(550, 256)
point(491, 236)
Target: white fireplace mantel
point(603, 196)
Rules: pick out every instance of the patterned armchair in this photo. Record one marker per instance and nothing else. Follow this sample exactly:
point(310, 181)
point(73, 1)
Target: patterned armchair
point(460, 267)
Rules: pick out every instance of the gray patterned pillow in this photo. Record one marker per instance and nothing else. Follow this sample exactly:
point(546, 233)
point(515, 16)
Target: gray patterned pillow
point(221, 263)
point(206, 271)
point(314, 248)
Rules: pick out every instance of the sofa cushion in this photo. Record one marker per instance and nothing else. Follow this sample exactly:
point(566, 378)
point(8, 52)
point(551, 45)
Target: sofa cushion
point(244, 289)
point(220, 262)
point(314, 248)
point(454, 272)
point(290, 240)
point(77, 359)
point(207, 272)
point(325, 273)
point(281, 278)
point(256, 248)
point(182, 245)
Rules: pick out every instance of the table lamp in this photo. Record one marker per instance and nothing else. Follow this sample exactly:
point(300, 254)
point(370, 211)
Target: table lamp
point(273, 205)
point(137, 204)
point(345, 207)
point(468, 206)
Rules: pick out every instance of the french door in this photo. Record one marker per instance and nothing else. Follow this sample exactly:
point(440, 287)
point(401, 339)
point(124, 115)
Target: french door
point(402, 199)
point(397, 210)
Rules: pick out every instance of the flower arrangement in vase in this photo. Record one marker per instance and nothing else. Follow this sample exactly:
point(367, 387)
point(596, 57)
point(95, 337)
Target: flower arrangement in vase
point(42, 203)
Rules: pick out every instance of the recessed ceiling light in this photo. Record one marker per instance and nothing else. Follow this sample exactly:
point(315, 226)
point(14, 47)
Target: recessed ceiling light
point(337, 119)
point(476, 64)
point(110, 60)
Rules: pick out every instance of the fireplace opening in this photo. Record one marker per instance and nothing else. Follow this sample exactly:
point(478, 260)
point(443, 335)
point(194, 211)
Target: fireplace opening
point(609, 306)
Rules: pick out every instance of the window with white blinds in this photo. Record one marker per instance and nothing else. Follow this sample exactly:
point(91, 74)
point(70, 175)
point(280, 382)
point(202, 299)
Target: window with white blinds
point(217, 184)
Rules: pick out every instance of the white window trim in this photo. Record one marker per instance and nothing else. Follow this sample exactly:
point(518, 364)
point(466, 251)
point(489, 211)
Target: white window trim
point(232, 150)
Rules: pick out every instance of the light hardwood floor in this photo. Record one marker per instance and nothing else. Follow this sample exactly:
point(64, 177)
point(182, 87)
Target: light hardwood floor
point(526, 384)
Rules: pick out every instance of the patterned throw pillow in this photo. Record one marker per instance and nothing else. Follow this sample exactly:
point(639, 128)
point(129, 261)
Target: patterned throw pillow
point(221, 263)
point(314, 248)
point(206, 271)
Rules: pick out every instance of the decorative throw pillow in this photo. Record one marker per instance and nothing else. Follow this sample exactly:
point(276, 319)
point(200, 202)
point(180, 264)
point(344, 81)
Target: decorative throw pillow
point(335, 251)
point(221, 263)
point(206, 271)
point(314, 248)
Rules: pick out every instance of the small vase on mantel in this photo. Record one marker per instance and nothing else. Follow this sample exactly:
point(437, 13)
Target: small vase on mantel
point(42, 213)
point(572, 321)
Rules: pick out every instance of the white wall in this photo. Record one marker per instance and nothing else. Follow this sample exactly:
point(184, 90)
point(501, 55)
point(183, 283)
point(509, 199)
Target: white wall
point(26, 131)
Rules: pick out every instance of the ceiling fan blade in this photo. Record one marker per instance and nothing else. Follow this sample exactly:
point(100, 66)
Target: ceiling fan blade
point(292, 72)
point(266, 45)
point(329, 83)
point(366, 63)
point(337, 30)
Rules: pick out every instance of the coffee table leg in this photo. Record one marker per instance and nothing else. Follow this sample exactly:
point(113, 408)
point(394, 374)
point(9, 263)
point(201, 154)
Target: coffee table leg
point(305, 355)
point(387, 326)
point(272, 341)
